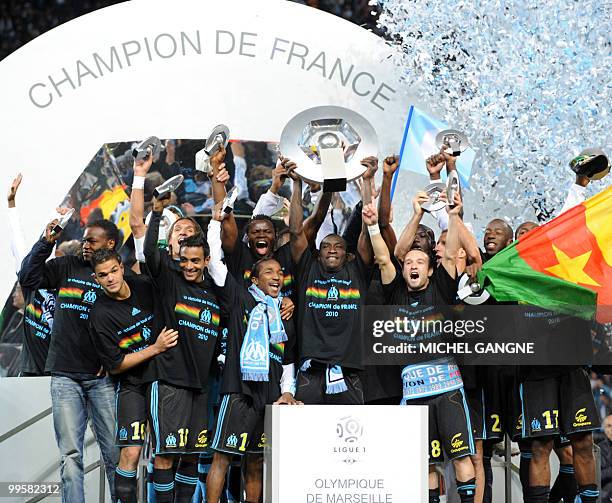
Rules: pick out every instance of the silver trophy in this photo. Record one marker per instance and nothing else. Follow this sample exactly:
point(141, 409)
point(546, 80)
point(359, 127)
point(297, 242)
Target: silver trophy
point(229, 200)
point(150, 146)
point(169, 186)
point(219, 137)
point(62, 222)
point(327, 144)
point(452, 141)
point(471, 293)
point(452, 187)
point(434, 191)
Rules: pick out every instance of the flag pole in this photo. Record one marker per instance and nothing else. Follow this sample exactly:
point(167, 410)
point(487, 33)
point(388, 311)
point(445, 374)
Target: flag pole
point(396, 174)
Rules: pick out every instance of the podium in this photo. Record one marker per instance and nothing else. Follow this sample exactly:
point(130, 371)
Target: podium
point(345, 454)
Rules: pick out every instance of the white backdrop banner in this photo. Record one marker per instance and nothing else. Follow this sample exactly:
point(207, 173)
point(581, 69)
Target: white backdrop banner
point(175, 69)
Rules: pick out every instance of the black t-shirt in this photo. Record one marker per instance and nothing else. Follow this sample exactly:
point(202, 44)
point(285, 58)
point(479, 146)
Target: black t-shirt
point(120, 327)
point(71, 349)
point(37, 322)
point(193, 310)
point(240, 303)
point(441, 291)
point(240, 264)
point(330, 311)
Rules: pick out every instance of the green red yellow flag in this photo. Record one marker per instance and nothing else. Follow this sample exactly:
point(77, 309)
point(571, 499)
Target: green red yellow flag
point(564, 265)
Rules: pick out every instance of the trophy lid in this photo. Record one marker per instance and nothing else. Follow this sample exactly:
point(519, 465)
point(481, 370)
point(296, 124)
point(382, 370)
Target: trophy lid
point(327, 127)
point(471, 293)
point(220, 130)
point(434, 190)
point(454, 141)
point(592, 163)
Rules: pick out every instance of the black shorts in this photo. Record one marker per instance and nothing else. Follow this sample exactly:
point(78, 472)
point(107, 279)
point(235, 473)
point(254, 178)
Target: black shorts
point(558, 405)
point(131, 406)
point(474, 399)
point(499, 406)
point(311, 389)
point(179, 419)
point(240, 426)
point(450, 431)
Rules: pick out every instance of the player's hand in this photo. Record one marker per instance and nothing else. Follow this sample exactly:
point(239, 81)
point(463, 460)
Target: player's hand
point(369, 214)
point(50, 236)
point(164, 202)
point(101, 372)
point(167, 338)
point(434, 165)
point(217, 213)
point(13, 190)
point(450, 160)
point(371, 165)
point(290, 168)
point(390, 164)
point(287, 308)
point(217, 158)
point(222, 174)
point(472, 270)
point(287, 399)
point(419, 199)
point(142, 166)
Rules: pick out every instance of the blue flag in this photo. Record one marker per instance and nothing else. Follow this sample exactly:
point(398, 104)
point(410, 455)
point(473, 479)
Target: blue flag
point(419, 144)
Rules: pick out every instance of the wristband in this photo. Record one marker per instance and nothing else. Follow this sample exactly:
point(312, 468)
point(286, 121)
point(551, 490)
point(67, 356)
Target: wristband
point(373, 230)
point(138, 182)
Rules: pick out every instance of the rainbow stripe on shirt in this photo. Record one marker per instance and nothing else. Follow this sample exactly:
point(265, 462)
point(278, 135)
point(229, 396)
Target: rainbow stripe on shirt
point(193, 312)
point(73, 293)
point(343, 293)
point(32, 310)
point(130, 340)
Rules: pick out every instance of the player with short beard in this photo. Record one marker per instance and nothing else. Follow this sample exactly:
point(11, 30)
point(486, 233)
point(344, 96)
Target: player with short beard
point(439, 384)
point(180, 376)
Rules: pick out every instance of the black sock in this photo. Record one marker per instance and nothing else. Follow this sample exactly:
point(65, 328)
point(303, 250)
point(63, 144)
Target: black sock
point(565, 486)
point(524, 471)
point(588, 493)
point(467, 490)
point(185, 481)
point(537, 494)
point(163, 481)
point(434, 495)
point(488, 488)
point(125, 486)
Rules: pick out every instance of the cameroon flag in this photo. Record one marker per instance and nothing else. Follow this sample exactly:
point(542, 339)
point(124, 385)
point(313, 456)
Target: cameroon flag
point(564, 265)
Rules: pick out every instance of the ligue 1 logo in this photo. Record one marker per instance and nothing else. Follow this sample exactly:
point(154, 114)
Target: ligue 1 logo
point(349, 431)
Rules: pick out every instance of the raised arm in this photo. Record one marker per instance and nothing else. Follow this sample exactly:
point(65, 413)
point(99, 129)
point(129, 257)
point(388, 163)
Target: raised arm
point(151, 250)
point(434, 165)
point(270, 202)
point(453, 241)
point(216, 268)
point(35, 271)
point(364, 247)
point(229, 234)
point(298, 241)
point(469, 244)
point(141, 169)
point(408, 234)
point(390, 166)
point(16, 239)
point(381, 251)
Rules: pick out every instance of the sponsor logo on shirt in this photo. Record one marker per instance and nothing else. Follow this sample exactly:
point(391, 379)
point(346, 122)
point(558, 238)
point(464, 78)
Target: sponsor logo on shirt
point(171, 440)
point(232, 441)
point(262, 440)
point(202, 439)
point(581, 418)
point(135, 311)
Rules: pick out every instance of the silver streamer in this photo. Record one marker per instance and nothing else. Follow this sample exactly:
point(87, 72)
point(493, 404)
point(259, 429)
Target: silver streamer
point(528, 81)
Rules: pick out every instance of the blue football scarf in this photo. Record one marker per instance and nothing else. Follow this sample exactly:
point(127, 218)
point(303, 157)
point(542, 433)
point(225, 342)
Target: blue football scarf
point(334, 379)
point(265, 327)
